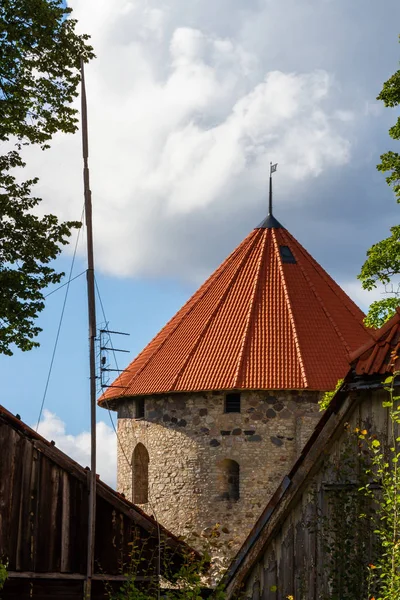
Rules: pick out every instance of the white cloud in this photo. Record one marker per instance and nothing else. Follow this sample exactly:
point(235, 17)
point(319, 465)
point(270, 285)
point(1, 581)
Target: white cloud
point(77, 447)
point(183, 122)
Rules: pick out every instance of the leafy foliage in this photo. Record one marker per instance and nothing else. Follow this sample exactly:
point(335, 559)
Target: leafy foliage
point(381, 310)
point(385, 470)
point(183, 583)
point(327, 396)
point(390, 161)
point(359, 524)
point(39, 69)
point(343, 520)
point(27, 245)
point(39, 74)
point(383, 258)
point(3, 574)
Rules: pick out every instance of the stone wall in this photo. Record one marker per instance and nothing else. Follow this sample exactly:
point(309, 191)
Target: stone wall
point(188, 436)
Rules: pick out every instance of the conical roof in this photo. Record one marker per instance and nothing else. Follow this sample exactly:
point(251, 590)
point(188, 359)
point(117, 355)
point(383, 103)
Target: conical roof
point(268, 318)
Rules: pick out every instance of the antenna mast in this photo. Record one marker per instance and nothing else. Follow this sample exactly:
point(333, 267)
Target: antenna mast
point(92, 340)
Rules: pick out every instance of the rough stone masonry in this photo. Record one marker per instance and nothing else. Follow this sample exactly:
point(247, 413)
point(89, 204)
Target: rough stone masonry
point(207, 466)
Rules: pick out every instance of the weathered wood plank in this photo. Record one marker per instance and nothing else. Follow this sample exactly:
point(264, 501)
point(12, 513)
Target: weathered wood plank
point(23, 527)
point(9, 463)
point(270, 578)
point(65, 524)
point(300, 570)
point(286, 564)
point(310, 546)
point(43, 519)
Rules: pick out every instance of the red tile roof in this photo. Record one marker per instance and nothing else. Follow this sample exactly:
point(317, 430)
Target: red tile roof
point(257, 323)
point(380, 356)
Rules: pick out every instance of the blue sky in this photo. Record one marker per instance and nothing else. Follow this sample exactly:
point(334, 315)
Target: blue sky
point(188, 103)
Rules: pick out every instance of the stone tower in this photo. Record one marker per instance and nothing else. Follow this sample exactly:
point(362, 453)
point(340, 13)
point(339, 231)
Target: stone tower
point(217, 407)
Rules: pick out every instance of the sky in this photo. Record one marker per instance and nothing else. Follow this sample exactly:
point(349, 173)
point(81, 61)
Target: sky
point(188, 104)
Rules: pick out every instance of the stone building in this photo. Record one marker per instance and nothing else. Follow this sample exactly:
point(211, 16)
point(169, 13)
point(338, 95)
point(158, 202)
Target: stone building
point(216, 408)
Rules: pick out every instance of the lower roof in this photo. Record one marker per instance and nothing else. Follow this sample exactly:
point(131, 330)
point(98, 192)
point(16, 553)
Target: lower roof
point(382, 354)
point(118, 500)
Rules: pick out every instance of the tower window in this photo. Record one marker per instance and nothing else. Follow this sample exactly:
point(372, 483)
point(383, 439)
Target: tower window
point(139, 409)
point(286, 255)
point(228, 480)
point(140, 475)
point(232, 402)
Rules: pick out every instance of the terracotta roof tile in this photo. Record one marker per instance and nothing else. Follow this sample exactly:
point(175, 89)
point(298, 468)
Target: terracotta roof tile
point(381, 355)
point(257, 323)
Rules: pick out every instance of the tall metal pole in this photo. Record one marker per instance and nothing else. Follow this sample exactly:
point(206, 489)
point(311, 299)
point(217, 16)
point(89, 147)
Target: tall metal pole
point(92, 339)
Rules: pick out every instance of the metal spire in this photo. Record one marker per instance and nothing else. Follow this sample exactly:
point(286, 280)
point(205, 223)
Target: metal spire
point(272, 169)
point(270, 222)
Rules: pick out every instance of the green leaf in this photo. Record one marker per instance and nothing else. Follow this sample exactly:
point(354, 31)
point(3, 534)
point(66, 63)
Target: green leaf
point(39, 78)
point(327, 396)
point(382, 265)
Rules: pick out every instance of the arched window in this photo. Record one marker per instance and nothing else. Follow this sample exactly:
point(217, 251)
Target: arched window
point(229, 480)
point(140, 475)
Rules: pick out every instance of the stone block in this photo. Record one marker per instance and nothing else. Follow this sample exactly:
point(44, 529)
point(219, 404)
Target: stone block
point(276, 441)
point(214, 443)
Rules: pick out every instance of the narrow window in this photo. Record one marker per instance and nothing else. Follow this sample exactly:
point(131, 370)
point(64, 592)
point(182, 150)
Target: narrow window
point(286, 255)
point(232, 402)
point(139, 414)
point(228, 480)
point(140, 475)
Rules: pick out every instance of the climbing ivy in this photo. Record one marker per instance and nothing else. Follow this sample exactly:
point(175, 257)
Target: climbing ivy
point(385, 470)
point(344, 524)
point(327, 396)
point(3, 574)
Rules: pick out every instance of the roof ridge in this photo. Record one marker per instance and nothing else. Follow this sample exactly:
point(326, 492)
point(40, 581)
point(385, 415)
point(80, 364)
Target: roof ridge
point(324, 308)
point(261, 260)
point(371, 359)
point(348, 303)
point(254, 241)
point(207, 284)
point(290, 310)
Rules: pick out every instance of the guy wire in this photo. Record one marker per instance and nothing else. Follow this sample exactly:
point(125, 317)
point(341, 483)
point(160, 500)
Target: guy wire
point(129, 463)
point(60, 323)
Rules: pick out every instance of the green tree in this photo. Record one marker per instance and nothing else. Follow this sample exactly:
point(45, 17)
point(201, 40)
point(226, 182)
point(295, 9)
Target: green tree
point(383, 259)
point(40, 54)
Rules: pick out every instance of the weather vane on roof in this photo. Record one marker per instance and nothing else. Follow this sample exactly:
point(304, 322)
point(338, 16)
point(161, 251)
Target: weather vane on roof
point(272, 169)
